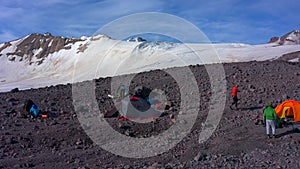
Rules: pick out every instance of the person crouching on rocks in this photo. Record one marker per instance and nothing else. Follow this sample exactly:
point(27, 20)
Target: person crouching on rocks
point(35, 111)
point(270, 116)
point(32, 108)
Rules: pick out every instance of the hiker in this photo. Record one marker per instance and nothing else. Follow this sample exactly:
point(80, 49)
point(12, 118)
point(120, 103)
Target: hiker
point(270, 116)
point(121, 91)
point(32, 108)
point(234, 96)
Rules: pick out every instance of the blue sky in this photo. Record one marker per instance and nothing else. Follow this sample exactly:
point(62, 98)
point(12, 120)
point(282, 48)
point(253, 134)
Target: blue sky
point(223, 21)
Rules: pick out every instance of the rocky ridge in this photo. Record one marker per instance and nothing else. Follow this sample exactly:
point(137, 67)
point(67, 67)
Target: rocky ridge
point(36, 46)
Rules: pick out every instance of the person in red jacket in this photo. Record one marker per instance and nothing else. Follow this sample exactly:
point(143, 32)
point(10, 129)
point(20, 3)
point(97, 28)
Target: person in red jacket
point(234, 97)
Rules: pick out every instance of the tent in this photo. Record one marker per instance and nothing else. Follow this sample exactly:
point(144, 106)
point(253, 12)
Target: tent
point(133, 108)
point(289, 109)
point(145, 105)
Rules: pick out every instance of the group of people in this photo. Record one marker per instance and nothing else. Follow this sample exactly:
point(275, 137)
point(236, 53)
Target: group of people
point(269, 113)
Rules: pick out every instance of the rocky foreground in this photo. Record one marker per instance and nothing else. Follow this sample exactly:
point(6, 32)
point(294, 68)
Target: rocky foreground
point(60, 141)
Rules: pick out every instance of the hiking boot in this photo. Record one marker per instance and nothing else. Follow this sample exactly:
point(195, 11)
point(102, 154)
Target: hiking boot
point(269, 136)
point(274, 136)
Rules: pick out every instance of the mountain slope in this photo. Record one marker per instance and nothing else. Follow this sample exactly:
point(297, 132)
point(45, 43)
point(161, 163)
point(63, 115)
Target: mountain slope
point(41, 60)
point(61, 141)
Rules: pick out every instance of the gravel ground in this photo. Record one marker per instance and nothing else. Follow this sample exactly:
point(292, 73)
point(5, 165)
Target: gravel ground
point(61, 142)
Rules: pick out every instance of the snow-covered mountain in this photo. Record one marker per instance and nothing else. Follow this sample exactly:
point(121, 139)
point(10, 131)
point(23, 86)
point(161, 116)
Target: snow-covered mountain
point(136, 39)
point(39, 60)
point(35, 47)
point(291, 38)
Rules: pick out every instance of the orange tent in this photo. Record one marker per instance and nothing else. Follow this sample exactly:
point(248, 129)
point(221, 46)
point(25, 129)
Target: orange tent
point(289, 108)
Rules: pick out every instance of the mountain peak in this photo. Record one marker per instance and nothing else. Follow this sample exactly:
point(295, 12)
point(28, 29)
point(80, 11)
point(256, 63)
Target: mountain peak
point(291, 38)
point(35, 45)
point(136, 39)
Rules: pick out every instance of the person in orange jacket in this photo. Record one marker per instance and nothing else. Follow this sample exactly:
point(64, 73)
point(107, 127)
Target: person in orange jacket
point(234, 97)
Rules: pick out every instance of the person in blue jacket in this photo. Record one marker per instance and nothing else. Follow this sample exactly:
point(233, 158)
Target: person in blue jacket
point(32, 108)
point(34, 111)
